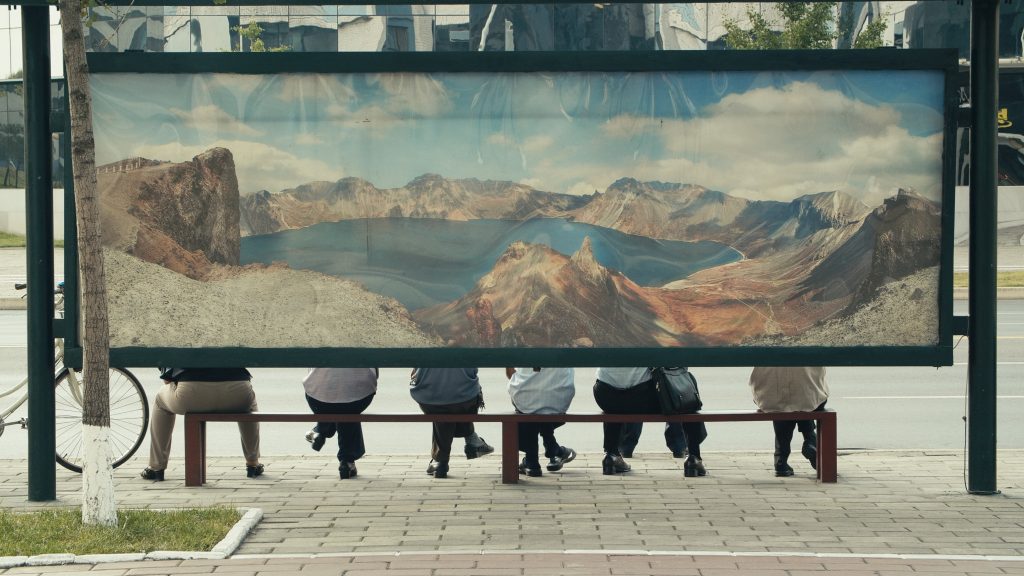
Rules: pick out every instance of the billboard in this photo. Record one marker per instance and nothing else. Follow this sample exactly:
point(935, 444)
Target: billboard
point(557, 215)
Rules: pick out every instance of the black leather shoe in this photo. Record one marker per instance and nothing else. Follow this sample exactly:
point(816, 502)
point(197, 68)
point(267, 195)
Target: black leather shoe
point(253, 471)
point(694, 467)
point(155, 475)
point(483, 449)
point(810, 451)
point(613, 464)
point(565, 455)
point(783, 469)
point(431, 467)
point(316, 439)
point(347, 470)
point(440, 470)
point(530, 468)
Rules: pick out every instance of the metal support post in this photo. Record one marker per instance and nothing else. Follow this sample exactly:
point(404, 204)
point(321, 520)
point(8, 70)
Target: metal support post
point(981, 351)
point(42, 472)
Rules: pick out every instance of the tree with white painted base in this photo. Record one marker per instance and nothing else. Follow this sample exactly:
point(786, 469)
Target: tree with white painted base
point(98, 503)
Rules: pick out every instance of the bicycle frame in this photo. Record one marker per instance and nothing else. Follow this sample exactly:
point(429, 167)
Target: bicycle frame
point(58, 365)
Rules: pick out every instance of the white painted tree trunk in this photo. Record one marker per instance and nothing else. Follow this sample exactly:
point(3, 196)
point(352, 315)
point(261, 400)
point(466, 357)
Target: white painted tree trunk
point(98, 505)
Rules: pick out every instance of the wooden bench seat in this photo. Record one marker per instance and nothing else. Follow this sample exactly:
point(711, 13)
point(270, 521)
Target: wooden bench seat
point(195, 430)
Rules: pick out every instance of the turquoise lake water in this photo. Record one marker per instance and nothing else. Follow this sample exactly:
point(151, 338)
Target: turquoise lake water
point(423, 262)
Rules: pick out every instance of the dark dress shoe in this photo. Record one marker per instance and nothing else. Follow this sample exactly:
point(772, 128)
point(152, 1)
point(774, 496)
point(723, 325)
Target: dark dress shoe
point(694, 467)
point(530, 468)
point(253, 471)
point(483, 449)
point(440, 470)
point(810, 451)
point(347, 470)
point(431, 467)
point(783, 469)
point(155, 475)
point(565, 455)
point(613, 464)
point(316, 439)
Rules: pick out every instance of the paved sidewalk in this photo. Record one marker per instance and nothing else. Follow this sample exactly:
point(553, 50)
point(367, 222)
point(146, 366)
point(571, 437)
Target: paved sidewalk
point(892, 512)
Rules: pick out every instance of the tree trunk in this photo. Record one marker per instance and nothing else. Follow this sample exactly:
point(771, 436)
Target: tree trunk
point(98, 505)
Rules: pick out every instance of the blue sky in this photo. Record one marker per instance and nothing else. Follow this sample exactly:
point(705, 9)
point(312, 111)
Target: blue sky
point(765, 135)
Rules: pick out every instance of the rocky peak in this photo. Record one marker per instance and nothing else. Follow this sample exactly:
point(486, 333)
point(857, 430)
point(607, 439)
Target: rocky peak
point(826, 210)
point(584, 263)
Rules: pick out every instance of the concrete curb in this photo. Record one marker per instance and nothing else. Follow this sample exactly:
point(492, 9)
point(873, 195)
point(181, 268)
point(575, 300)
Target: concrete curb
point(223, 549)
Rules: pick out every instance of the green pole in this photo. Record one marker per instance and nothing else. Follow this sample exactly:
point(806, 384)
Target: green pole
point(42, 468)
point(981, 333)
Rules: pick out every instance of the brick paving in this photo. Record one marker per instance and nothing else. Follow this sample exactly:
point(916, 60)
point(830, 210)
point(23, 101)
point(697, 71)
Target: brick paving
point(892, 512)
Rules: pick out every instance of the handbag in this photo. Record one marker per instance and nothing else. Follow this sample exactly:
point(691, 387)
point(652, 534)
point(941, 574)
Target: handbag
point(677, 391)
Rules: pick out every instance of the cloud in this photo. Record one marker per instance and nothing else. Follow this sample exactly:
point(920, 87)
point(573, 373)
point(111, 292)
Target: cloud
point(210, 118)
point(413, 95)
point(305, 138)
point(783, 142)
point(500, 139)
point(258, 166)
point(537, 144)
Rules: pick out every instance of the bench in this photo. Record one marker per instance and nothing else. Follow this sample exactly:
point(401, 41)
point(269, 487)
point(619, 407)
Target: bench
point(195, 430)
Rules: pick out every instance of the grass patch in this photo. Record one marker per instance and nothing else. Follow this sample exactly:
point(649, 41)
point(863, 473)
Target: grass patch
point(8, 240)
point(1008, 279)
point(61, 531)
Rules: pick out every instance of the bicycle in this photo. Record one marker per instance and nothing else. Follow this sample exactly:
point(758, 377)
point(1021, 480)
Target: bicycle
point(129, 407)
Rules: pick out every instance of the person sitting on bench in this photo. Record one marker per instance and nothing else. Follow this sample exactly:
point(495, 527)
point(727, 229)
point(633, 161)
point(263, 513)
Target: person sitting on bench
point(790, 389)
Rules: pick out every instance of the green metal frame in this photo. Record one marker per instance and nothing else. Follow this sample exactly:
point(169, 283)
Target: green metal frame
point(503, 62)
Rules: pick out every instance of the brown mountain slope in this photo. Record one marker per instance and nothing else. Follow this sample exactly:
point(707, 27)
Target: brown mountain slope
point(535, 296)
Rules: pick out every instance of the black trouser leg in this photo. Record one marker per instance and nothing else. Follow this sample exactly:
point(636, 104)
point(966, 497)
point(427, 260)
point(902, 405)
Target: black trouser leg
point(783, 439)
point(528, 441)
point(640, 399)
point(444, 432)
point(675, 437)
point(630, 436)
point(350, 434)
point(694, 433)
point(547, 434)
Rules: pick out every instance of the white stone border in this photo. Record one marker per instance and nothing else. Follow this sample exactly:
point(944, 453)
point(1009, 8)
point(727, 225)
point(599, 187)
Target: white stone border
point(231, 541)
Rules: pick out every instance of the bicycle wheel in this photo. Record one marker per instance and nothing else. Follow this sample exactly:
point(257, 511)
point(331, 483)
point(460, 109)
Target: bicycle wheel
point(129, 417)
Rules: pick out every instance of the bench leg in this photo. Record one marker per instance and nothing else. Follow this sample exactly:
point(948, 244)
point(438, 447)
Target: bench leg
point(827, 448)
point(509, 453)
point(195, 451)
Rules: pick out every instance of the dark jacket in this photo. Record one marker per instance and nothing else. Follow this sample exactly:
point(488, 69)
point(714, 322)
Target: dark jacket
point(204, 374)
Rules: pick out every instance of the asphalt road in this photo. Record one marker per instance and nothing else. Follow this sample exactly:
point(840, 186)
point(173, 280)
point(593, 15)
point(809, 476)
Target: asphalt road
point(879, 407)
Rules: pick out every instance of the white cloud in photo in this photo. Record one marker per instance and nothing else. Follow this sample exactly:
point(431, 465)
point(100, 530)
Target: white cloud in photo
point(779, 143)
point(538, 144)
point(500, 139)
point(413, 95)
point(258, 166)
point(307, 139)
point(212, 119)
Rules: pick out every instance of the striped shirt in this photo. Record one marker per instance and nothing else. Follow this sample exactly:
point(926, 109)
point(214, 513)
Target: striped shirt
point(547, 391)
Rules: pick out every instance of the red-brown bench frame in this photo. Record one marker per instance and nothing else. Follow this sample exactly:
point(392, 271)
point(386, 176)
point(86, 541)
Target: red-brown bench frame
point(195, 431)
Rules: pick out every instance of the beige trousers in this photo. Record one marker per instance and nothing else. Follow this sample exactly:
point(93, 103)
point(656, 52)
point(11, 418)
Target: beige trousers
point(183, 397)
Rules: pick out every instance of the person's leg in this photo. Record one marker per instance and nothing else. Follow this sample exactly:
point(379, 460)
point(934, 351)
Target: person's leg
point(250, 431)
point(691, 434)
point(528, 432)
point(783, 439)
point(809, 449)
point(675, 438)
point(321, 430)
point(350, 434)
point(161, 426)
point(444, 432)
point(547, 436)
point(629, 438)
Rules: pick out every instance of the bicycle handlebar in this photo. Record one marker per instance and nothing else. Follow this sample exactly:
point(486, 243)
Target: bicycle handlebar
point(58, 290)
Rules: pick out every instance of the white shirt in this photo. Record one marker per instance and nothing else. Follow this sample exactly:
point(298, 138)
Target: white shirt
point(549, 391)
point(623, 378)
point(340, 385)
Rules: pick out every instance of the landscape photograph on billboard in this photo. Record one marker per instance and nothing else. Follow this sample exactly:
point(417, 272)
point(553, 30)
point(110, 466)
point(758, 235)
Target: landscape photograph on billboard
point(522, 210)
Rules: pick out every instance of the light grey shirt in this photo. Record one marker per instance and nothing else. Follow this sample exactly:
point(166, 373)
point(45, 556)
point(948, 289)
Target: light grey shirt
point(548, 391)
point(623, 378)
point(340, 385)
point(440, 386)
